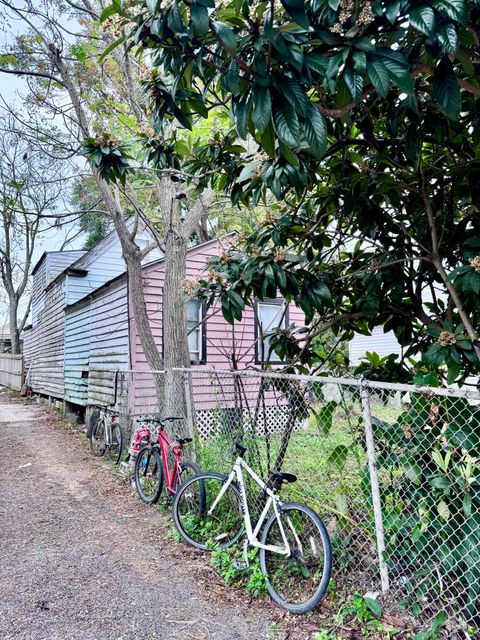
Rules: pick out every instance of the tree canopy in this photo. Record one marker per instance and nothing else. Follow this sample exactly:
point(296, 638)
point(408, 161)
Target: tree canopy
point(361, 121)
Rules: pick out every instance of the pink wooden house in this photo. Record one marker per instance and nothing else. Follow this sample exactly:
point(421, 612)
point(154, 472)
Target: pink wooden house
point(215, 344)
point(101, 338)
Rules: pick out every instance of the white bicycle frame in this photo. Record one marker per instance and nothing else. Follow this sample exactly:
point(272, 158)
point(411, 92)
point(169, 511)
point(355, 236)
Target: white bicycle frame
point(273, 500)
point(105, 417)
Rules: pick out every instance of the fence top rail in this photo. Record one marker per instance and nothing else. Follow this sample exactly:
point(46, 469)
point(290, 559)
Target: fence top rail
point(358, 382)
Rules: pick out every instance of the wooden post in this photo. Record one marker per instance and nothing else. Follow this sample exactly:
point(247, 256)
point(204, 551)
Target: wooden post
point(377, 503)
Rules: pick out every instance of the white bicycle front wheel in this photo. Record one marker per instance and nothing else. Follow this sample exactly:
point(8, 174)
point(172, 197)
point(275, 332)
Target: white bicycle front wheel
point(200, 525)
point(297, 582)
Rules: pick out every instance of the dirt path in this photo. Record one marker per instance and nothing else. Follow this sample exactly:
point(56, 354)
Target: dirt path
point(82, 559)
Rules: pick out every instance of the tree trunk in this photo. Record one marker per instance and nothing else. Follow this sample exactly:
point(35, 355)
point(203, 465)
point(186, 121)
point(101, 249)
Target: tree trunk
point(142, 323)
point(14, 332)
point(175, 335)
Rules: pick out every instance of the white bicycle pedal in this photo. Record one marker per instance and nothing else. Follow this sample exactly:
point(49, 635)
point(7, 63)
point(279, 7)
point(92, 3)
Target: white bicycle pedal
point(240, 565)
point(221, 537)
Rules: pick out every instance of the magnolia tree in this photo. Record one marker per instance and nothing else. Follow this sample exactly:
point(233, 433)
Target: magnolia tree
point(361, 121)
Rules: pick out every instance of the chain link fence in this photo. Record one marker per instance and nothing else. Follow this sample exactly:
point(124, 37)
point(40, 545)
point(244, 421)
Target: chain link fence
point(393, 470)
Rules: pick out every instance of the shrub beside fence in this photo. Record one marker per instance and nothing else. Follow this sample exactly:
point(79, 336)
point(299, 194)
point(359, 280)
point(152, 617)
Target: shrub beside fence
point(393, 470)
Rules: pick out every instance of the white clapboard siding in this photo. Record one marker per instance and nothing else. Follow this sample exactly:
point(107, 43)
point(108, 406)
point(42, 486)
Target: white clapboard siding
point(77, 353)
point(382, 343)
point(103, 263)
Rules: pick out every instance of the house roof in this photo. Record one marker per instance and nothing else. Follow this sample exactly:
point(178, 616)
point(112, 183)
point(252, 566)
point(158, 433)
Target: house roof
point(92, 294)
point(95, 292)
point(45, 253)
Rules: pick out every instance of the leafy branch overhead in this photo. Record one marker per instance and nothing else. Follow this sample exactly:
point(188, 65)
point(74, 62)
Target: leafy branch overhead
point(356, 123)
point(282, 67)
point(109, 156)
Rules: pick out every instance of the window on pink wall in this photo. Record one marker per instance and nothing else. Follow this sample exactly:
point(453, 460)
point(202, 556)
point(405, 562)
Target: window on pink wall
point(269, 315)
point(195, 312)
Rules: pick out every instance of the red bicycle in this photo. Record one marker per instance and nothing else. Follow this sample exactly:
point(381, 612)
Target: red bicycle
point(159, 461)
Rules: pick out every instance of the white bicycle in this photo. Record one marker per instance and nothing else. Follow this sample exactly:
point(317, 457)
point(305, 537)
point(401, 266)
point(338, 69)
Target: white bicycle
point(211, 511)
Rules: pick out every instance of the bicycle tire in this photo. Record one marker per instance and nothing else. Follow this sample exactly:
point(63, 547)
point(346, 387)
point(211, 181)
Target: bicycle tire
point(150, 453)
point(297, 571)
point(97, 437)
point(195, 526)
point(184, 468)
point(92, 422)
point(116, 447)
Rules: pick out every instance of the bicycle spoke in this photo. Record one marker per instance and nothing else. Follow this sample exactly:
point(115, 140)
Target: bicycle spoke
point(192, 515)
point(299, 580)
point(149, 475)
point(98, 438)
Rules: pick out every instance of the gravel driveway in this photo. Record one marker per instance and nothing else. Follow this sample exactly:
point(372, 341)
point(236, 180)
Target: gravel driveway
point(81, 558)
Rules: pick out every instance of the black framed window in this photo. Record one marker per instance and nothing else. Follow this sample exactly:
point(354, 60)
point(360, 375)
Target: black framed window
point(269, 315)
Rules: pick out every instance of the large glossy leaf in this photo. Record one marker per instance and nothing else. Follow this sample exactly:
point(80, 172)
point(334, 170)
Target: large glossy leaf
point(294, 93)
point(339, 455)
point(447, 91)
point(175, 20)
point(379, 76)
point(392, 10)
point(320, 292)
point(462, 435)
point(315, 130)
point(286, 124)
point(232, 80)
point(354, 82)
point(359, 59)
point(447, 36)
point(200, 21)
point(423, 19)
point(242, 111)
point(455, 9)
point(268, 139)
point(226, 34)
point(262, 108)
point(296, 10)
point(325, 416)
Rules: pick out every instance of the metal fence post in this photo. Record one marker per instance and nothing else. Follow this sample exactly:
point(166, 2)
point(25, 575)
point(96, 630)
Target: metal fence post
point(188, 403)
point(372, 466)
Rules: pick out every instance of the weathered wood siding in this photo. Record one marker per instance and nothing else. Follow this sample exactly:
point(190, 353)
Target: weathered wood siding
point(46, 270)
point(11, 371)
point(44, 343)
point(103, 263)
point(96, 343)
point(58, 261)
point(109, 348)
point(77, 353)
point(53, 289)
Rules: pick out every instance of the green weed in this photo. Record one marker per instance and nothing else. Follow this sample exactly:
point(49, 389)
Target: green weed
point(251, 578)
